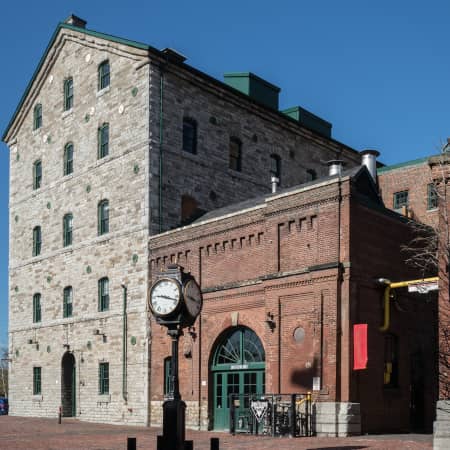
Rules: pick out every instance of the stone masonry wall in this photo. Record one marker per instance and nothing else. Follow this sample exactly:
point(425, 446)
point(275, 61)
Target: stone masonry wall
point(120, 255)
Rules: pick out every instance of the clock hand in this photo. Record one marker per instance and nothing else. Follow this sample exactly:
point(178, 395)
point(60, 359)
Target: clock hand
point(165, 296)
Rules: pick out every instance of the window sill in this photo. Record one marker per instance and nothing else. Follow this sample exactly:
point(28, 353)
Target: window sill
point(103, 91)
point(67, 113)
point(37, 131)
point(37, 398)
point(103, 398)
point(432, 210)
point(104, 159)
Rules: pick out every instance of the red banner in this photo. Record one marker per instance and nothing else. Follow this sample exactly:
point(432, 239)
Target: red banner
point(360, 346)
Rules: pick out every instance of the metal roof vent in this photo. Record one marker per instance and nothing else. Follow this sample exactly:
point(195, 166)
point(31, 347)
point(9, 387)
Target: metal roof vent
point(76, 21)
point(369, 159)
point(335, 167)
point(274, 182)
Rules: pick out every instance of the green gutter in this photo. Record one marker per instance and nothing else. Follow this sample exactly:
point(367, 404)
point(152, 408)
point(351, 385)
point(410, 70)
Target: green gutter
point(161, 129)
point(124, 345)
point(414, 162)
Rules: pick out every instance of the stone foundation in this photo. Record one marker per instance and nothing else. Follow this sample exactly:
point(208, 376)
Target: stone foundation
point(441, 432)
point(336, 419)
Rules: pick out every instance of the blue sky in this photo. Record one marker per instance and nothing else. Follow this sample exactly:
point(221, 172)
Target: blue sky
point(379, 71)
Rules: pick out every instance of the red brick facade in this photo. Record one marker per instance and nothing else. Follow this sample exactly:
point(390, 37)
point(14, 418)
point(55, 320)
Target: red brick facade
point(309, 258)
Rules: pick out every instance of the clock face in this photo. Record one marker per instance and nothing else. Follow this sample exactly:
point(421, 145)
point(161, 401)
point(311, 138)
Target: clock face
point(193, 298)
point(165, 296)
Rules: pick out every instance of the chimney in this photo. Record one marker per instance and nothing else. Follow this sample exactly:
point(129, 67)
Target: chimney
point(274, 181)
point(369, 159)
point(76, 21)
point(335, 167)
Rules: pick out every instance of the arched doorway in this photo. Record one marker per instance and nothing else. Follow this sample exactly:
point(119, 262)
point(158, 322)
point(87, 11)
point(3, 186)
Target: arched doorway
point(238, 367)
point(68, 385)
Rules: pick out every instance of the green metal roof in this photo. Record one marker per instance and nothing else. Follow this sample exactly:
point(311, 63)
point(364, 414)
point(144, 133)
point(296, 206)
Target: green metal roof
point(67, 26)
point(414, 162)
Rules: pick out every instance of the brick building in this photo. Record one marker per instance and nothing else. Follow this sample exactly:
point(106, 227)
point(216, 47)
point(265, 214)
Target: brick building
point(114, 146)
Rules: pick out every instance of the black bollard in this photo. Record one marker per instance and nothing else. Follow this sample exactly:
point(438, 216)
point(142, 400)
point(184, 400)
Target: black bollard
point(131, 443)
point(188, 445)
point(214, 444)
point(160, 443)
point(59, 415)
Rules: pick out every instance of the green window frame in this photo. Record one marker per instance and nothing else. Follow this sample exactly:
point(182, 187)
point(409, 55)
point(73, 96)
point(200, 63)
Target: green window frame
point(37, 116)
point(37, 241)
point(103, 75)
point(103, 294)
point(68, 94)
point(68, 158)
point(168, 381)
point(189, 135)
point(103, 141)
point(37, 380)
point(103, 217)
point(235, 161)
point(67, 302)
point(432, 196)
point(36, 308)
point(401, 199)
point(103, 378)
point(37, 174)
point(275, 166)
point(67, 229)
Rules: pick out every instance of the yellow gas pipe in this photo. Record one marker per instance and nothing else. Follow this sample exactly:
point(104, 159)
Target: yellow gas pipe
point(387, 294)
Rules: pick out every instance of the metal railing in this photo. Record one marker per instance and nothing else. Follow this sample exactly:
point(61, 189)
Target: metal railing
point(271, 414)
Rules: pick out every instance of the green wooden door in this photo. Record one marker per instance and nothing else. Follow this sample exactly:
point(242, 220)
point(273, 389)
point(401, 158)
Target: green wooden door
point(239, 369)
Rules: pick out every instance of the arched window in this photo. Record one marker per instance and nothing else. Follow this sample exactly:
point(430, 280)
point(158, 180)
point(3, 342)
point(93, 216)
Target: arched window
point(235, 162)
point(68, 94)
point(103, 75)
point(103, 294)
point(103, 141)
point(37, 174)
point(67, 301)
point(37, 116)
point(103, 217)
point(275, 166)
point(37, 241)
point(189, 135)
point(36, 308)
point(68, 158)
point(67, 229)
point(241, 346)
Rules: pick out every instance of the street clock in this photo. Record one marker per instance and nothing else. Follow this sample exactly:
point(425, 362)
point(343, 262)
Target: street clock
point(175, 297)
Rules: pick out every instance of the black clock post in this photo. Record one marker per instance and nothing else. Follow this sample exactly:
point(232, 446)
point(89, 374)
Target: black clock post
point(175, 302)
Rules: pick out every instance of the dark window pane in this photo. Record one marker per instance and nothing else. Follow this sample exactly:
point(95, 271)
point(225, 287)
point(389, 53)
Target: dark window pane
point(37, 174)
point(67, 230)
point(103, 217)
point(37, 117)
point(235, 154)
point(432, 199)
point(37, 241)
point(103, 141)
point(103, 75)
point(400, 199)
point(189, 136)
point(103, 379)
point(37, 388)
point(68, 94)
point(67, 302)
point(103, 294)
point(68, 159)
point(36, 308)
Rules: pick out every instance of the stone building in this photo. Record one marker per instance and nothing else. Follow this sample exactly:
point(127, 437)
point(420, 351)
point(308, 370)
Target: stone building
point(112, 142)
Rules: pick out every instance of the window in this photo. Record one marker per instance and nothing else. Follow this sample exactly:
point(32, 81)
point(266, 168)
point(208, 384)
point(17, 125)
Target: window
point(432, 197)
point(103, 217)
point(36, 308)
point(103, 141)
point(67, 301)
point(168, 382)
point(390, 361)
point(67, 229)
point(37, 117)
point(103, 294)
point(37, 241)
point(37, 389)
point(275, 166)
point(68, 94)
point(190, 135)
point(103, 75)
point(235, 154)
point(68, 158)
point(400, 199)
point(311, 175)
point(37, 174)
point(103, 378)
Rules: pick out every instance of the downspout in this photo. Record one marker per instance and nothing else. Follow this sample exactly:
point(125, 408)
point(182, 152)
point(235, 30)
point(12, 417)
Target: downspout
point(124, 346)
point(338, 298)
point(161, 140)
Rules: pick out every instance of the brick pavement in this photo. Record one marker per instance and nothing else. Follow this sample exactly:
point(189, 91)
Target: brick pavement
point(39, 434)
